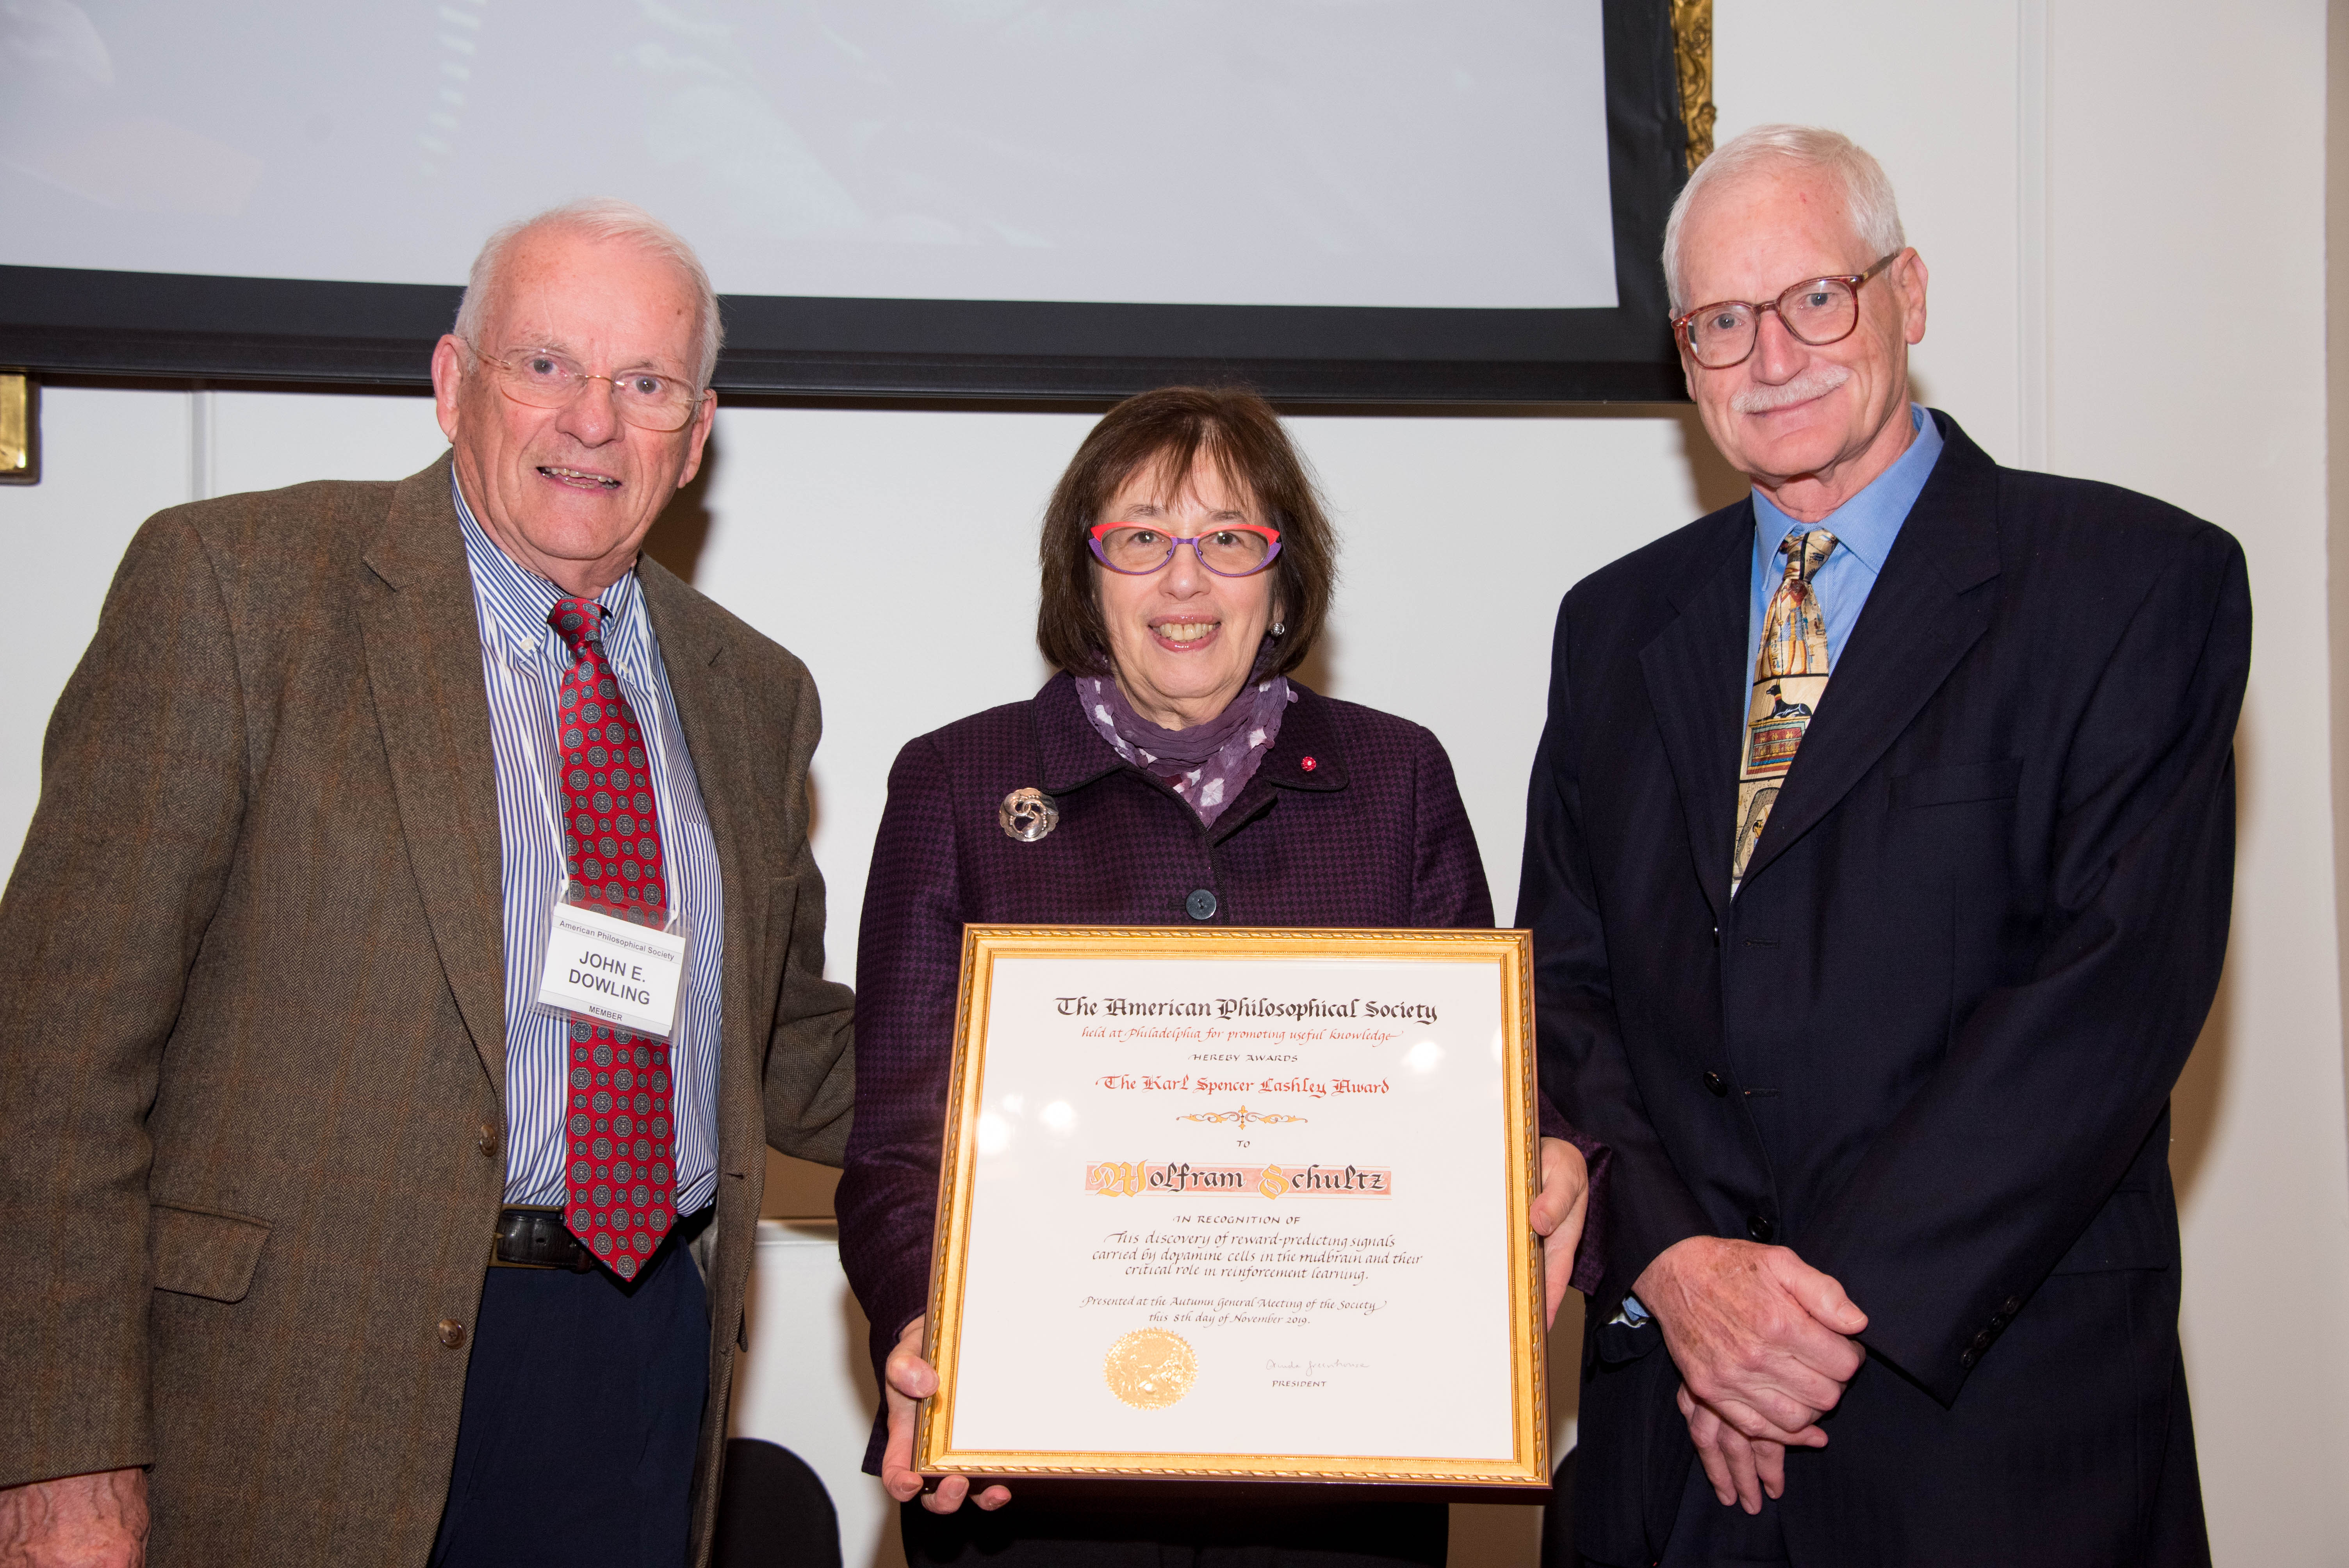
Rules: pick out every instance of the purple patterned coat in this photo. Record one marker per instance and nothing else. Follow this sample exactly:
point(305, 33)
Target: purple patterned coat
point(1352, 820)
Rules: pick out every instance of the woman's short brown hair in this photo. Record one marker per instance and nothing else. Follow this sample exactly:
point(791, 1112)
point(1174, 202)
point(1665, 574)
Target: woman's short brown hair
point(1177, 426)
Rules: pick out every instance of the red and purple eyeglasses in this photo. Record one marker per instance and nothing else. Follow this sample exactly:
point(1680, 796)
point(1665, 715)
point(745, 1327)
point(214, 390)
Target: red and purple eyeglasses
point(1139, 549)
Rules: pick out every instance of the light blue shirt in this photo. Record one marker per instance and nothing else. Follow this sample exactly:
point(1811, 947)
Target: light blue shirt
point(1865, 527)
point(522, 662)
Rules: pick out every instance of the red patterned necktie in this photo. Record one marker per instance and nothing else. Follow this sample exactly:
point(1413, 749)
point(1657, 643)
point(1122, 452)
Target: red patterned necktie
point(623, 1174)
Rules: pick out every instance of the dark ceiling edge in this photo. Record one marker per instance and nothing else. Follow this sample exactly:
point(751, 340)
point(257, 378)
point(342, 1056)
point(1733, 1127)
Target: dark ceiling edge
point(116, 356)
point(1307, 406)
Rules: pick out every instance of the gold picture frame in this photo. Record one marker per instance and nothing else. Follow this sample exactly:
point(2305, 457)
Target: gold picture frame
point(1692, 66)
point(1507, 953)
point(20, 428)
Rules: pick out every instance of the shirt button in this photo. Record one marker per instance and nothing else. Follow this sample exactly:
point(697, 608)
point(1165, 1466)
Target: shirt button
point(488, 1141)
point(452, 1333)
point(1759, 1227)
point(1201, 904)
point(1714, 1083)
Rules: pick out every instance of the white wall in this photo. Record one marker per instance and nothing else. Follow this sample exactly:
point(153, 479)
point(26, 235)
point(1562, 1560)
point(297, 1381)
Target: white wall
point(2230, 121)
point(2089, 182)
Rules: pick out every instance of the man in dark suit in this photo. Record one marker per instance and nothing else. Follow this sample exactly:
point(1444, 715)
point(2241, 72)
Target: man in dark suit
point(332, 1242)
point(1880, 859)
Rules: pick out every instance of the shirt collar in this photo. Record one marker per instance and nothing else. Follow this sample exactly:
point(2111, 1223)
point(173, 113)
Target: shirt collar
point(515, 602)
point(1867, 522)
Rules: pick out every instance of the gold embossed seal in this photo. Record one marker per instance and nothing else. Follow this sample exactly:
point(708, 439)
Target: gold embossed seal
point(1150, 1368)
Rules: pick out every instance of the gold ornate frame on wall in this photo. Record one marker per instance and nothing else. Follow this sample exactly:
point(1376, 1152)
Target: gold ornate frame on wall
point(20, 428)
point(1512, 953)
point(1693, 55)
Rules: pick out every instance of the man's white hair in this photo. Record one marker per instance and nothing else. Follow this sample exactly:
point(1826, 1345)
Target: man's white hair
point(597, 218)
point(1866, 193)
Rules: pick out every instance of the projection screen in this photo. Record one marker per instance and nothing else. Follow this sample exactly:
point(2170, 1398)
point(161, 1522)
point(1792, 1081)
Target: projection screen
point(1386, 198)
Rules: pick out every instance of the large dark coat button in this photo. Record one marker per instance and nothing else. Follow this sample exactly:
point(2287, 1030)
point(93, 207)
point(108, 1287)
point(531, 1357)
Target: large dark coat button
point(1714, 1081)
point(1759, 1227)
point(452, 1333)
point(1201, 904)
point(487, 1143)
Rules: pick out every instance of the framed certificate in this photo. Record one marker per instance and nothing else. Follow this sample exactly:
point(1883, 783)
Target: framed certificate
point(1234, 1202)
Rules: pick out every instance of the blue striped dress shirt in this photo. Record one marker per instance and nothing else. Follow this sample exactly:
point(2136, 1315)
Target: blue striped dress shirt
point(523, 660)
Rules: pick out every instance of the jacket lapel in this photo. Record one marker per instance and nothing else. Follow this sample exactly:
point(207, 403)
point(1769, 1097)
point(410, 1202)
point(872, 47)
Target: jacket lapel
point(1691, 669)
point(1922, 618)
point(1305, 731)
point(710, 710)
point(423, 649)
point(1068, 750)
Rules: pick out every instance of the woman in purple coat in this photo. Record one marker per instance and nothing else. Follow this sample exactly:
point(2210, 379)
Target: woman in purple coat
point(1171, 773)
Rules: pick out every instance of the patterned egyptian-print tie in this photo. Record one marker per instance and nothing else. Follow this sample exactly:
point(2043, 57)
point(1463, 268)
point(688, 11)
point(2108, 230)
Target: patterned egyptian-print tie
point(1790, 671)
point(622, 1171)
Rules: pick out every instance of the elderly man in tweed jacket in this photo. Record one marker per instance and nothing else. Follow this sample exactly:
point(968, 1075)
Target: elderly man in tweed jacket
point(279, 1094)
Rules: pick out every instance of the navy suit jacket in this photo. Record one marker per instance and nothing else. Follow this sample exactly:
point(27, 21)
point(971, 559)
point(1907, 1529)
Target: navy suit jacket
point(1931, 1044)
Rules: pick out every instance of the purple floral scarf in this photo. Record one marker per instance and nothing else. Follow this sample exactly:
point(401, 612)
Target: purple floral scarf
point(1208, 763)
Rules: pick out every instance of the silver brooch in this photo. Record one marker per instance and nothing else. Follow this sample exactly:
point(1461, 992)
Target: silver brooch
point(1027, 815)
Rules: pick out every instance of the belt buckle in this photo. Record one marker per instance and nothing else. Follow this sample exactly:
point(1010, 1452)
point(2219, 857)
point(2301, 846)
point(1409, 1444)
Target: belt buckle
point(535, 1233)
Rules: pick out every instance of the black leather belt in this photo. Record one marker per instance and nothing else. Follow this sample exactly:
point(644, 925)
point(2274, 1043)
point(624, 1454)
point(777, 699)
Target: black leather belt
point(529, 1238)
point(534, 1238)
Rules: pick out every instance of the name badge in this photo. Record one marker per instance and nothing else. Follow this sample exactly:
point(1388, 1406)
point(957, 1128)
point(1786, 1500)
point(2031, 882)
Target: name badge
point(612, 970)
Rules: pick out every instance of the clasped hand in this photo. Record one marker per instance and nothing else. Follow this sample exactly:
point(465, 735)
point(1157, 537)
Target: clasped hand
point(1764, 1345)
point(1557, 1215)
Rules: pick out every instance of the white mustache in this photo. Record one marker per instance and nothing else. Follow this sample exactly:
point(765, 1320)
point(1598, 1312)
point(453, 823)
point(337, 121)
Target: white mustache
point(1817, 382)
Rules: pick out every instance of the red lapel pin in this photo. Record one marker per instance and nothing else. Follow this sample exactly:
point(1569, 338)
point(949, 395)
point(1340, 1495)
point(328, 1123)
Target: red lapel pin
point(1308, 765)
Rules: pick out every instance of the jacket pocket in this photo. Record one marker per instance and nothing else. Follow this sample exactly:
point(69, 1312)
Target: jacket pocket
point(197, 1252)
point(1959, 782)
point(2130, 1232)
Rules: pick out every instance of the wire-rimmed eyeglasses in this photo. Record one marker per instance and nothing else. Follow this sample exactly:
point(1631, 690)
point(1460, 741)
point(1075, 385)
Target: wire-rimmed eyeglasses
point(1139, 549)
point(541, 378)
point(1816, 311)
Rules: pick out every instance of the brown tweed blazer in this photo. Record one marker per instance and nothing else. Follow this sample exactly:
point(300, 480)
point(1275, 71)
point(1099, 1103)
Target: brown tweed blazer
point(252, 1021)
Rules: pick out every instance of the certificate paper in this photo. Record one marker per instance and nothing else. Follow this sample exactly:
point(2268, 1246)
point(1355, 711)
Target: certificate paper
point(1240, 1202)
